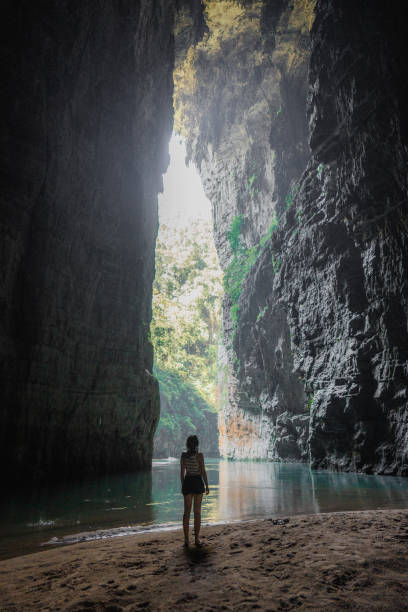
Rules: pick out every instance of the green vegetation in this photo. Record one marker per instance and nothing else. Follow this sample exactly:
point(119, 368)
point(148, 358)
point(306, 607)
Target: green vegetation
point(261, 313)
point(187, 294)
point(290, 196)
point(276, 264)
point(309, 403)
point(183, 412)
point(251, 180)
point(243, 259)
point(271, 229)
point(234, 234)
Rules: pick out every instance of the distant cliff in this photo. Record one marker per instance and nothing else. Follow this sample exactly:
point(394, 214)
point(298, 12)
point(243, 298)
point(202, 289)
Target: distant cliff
point(296, 116)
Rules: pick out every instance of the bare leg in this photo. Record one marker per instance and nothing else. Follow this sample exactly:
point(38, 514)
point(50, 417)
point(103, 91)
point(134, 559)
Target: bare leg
point(188, 500)
point(197, 517)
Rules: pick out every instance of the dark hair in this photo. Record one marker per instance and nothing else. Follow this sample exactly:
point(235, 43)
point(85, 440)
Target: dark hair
point(192, 444)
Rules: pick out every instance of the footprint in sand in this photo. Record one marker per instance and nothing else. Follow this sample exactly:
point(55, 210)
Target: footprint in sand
point(131, 587)
point(186, 597)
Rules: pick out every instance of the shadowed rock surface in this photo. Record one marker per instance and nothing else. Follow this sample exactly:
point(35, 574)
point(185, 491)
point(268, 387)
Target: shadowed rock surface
point(87, 98)
point(315, 357)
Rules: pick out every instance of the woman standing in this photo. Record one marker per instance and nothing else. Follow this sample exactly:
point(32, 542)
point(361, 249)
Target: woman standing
point(192, 474)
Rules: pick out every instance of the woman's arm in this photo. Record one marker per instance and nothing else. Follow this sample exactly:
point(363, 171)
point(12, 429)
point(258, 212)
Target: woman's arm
point(182, 470)
point(203, 472)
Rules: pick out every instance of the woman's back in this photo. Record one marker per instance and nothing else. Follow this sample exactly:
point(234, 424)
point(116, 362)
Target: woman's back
point(191, 463)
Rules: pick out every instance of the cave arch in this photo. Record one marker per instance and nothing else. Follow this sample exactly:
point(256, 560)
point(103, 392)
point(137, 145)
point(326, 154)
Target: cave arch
point(88, 114)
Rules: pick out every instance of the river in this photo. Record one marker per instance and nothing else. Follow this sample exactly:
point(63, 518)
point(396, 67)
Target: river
point(130, 503)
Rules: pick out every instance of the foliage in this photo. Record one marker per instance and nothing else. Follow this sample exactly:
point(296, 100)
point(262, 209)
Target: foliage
point(309, 403)
point(268, 236)
point(290, 196)
point(187, 294)
point(276, 264)
point(251, 180)
point(243, 259)
point(234, 233)
point(183, 412)
point(261, 313)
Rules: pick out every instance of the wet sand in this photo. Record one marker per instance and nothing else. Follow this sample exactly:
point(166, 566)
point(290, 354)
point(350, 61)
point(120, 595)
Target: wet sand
point(340, 561)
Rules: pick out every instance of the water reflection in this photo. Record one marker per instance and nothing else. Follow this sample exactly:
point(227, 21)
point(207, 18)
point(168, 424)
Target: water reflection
point(32, 516)
point(274, 489)
point(239, 490)
point(264, 489)
point(245, 490)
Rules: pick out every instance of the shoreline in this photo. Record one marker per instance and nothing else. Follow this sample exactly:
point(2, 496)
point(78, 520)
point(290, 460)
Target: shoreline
point(327, 561)
point(110, 533)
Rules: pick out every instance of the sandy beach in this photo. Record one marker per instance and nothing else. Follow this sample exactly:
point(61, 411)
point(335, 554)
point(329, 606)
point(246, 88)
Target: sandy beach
point(339, 561)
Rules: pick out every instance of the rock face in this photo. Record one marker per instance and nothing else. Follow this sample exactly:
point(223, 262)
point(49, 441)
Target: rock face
point(301, 136)
point(88, 114)
point(245, 118)
point(353, 342)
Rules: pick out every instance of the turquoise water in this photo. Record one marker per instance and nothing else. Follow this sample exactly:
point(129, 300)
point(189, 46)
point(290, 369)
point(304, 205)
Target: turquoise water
point(130, 503)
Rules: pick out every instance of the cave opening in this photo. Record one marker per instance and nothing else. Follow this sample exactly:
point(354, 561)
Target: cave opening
point(293, 113)
point(186, 321)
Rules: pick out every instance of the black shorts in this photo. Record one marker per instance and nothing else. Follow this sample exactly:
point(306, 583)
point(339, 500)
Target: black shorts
point(193, 484)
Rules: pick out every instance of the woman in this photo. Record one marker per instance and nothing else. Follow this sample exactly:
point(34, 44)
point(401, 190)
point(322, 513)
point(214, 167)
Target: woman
point(192, 474)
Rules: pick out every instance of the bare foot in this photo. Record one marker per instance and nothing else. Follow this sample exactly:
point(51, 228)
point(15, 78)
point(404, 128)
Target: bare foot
point(198, 543)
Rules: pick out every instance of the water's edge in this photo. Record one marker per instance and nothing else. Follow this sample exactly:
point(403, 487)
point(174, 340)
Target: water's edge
point(151, 502)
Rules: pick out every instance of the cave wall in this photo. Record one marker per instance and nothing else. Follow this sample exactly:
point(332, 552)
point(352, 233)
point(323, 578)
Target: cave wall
point(244, 115)
point(87, 114)
point(353, 343)
point(310, 100)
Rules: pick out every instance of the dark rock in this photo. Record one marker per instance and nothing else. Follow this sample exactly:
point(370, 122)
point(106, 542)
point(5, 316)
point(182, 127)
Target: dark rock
point(321, 320)
point(87, 114)
point(264, 79)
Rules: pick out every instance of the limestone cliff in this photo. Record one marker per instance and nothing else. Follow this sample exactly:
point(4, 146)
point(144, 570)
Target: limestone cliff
point(87, 90)
point(295, 114)
point(244, 113)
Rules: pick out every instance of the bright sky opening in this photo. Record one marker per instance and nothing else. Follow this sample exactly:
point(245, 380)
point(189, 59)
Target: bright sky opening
point(183, 198)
